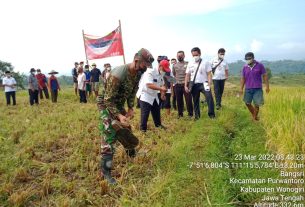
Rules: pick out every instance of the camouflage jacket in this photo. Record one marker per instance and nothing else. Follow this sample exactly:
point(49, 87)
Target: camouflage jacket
point(121, 87)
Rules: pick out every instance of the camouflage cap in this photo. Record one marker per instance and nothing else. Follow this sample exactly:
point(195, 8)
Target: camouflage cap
point(146, 56)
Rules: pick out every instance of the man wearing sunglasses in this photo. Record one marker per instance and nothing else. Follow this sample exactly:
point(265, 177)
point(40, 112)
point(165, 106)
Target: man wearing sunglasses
point(121, 87)
point(251, 76)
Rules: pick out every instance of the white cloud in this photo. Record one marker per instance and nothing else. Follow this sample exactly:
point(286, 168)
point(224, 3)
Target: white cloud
point(47, 34)
point(256, 45)
point(238, 48)
point(292, 46)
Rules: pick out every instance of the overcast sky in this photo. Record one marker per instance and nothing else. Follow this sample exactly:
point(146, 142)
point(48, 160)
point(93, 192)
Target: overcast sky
point(48, 34)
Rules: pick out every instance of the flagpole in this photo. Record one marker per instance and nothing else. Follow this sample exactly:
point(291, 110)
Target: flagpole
point(122, 41)
point(85, 47)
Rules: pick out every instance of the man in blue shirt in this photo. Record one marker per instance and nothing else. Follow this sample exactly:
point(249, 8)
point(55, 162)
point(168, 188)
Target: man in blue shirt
point(95, 79)
point(88, 81)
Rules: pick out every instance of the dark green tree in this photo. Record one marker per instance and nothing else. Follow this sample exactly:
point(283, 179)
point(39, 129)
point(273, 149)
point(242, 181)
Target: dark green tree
point(6, 66)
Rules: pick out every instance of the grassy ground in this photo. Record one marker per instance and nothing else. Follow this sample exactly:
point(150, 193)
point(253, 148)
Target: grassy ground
point(50, 153)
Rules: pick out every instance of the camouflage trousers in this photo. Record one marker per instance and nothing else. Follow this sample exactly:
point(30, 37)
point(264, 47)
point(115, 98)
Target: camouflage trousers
point(107, 133)
point(108, 136)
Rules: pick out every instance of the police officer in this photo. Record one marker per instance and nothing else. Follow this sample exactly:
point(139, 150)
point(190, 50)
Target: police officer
point(179, 72)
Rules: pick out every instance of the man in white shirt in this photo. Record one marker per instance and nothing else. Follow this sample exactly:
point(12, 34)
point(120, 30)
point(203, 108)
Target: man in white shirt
point(81, 83)
point(202, 80)
point(9, 84)
point(149, 86)
point(220, 71)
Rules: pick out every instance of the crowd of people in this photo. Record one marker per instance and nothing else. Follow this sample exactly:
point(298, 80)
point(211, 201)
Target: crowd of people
point(154, 88)
point(86, 81)
point(174, 82)
point(38, 86)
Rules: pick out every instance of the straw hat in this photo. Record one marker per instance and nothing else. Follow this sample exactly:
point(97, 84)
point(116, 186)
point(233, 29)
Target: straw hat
point(53, 72)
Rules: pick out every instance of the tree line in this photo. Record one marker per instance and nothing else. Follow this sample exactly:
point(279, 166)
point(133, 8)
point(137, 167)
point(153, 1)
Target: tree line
point(276, 67)
point(273, 68)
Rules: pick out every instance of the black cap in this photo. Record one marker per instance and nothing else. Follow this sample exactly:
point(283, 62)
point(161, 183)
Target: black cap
point(32, 70)
point(162, 57)
point(249, 55)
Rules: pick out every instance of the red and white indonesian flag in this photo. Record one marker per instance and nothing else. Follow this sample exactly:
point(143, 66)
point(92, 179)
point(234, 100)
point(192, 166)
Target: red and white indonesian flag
point(102, 47)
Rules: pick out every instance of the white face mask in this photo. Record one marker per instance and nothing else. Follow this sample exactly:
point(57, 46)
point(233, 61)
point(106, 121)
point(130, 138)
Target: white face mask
point(196, 58)
point(221, 57)
point(249, 61)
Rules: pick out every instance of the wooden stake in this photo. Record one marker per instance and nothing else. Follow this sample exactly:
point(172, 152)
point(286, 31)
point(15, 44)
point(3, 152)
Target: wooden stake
point(122, 41)
point(85, 48)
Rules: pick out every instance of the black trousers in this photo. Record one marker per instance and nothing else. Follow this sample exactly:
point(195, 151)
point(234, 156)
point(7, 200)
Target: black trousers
point(146, 108)
point(82, 96)
point(219, 86)
point(180, 92)
point(161, 105)
point(54, 95)
point(8, 96)
point(33, 97)
point(197, 89)
point(45, 91)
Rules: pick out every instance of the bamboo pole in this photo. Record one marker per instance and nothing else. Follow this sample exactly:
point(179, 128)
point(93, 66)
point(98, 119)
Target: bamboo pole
point(85, 48)
point(122, 41)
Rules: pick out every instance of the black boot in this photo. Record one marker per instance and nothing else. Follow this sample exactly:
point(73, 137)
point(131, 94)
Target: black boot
point(106, 164)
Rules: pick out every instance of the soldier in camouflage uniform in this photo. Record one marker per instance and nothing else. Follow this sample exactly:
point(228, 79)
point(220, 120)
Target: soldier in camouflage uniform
point(121, 87)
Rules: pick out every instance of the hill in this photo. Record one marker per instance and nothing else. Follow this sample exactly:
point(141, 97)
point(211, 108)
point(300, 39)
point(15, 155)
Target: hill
point(277, 67)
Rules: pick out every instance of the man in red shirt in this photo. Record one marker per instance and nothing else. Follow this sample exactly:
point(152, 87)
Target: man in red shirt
point(42, 83)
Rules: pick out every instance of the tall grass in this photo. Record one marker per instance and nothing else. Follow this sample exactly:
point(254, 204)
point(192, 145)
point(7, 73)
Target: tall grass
point(284, 120)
